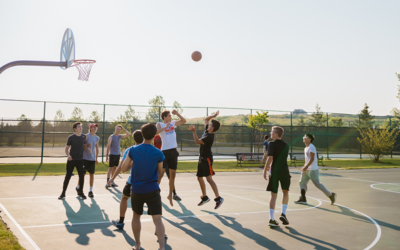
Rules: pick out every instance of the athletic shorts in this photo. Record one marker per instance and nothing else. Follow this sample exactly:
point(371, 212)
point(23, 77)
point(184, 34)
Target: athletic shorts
point(127, 190)
point(114, 160)
point(89, 166)
point(152, 199)
point(171, 158)
point(204, 167)
point(274, 181)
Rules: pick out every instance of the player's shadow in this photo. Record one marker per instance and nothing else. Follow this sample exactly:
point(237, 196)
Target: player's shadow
point(233, 224)
point(315, 242)
point(205, 233)
point(86, 213)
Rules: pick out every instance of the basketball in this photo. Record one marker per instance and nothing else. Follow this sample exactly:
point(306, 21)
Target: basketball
point(196, 56)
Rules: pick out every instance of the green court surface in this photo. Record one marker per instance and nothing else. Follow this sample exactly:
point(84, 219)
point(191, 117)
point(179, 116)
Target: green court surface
point(365, 216)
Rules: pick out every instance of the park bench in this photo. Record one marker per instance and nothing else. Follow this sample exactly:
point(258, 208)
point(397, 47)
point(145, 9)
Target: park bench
point(295, 157)
point(248, 157)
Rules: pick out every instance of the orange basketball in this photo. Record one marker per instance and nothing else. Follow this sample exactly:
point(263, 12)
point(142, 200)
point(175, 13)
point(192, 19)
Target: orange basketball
point(196, 56)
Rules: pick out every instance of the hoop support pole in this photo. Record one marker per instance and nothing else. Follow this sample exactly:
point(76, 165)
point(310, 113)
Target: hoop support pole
point(33, 63)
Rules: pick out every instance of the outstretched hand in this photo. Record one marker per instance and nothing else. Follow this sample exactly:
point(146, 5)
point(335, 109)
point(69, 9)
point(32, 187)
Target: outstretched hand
point(216, 113)
point(192, 128)
point(174, 112)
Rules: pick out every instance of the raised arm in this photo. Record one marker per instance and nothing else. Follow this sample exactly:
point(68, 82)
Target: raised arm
point(159, 129)
point(182, 119)
point(196, 139)
point(108, 147)
point(208, 118)
point(127, 133)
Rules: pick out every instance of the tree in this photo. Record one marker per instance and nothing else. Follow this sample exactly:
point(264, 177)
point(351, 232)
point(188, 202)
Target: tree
point(301, 121)
point(336, 122)
point(377, 142)
point(318, 119)
point(257, 123)
point(130, 114)
point(244, 119)
point(95, 116)
point(154, 113)
point(366, 120)
point(177, 106)
point(24, 124)
point(77, 115)
point(59, 116)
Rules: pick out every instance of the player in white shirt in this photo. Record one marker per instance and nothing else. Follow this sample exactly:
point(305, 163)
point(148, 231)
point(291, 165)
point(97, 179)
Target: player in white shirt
point(166, 130)
point(310, 171)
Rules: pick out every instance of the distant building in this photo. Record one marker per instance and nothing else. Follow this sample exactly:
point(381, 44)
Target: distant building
point(299, 111)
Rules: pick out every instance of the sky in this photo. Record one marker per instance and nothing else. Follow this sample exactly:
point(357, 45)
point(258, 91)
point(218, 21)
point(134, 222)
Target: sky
point(259, 54)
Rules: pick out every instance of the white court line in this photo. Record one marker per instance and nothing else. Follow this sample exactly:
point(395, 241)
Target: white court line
point(372, 185)
point(20, 228)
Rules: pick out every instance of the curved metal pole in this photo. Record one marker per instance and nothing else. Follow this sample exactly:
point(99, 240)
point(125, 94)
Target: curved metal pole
point(33, 63)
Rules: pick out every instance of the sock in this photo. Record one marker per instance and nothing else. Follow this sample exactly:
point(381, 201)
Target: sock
point(284, 207)
point(303, 193)
point(91, 189)
point(174, 192)
point(121, 219)
point(108, 179)
point(77, 187)
point(271, 214)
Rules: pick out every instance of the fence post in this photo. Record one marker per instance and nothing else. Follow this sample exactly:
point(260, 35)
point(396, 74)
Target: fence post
point(251, 138)
point(390, 126)
point(44, 123)
point(359, 123)
point(102, 141)
point(327, 136)
point(159, 113)
point(207, 112)
point(291, 132)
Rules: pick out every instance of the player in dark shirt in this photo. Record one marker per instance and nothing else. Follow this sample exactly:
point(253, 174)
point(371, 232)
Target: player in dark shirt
point(278, 169)
point(74, 151)
point(204, 167)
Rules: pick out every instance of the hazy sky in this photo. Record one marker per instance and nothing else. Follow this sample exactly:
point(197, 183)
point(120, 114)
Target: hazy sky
point(276, 55)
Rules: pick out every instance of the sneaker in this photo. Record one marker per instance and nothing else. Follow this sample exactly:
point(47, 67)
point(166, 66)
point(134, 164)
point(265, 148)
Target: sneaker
point(204, 200)
point(273, 223)
point(113, 184)
point(91, 194)
point(176, 197)
point(108, 186)
point(116, 223)
point(62, 196)
point(333, 198)
point(284, 219)
point(301, 201)
point(219, 202)
point(77, 190)
point(82, 195)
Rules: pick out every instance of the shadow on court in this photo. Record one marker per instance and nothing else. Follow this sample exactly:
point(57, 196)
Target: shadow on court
point(258, 238)
point(85, 213)
point(293, 233)
point(37, 171)
point(205, 233)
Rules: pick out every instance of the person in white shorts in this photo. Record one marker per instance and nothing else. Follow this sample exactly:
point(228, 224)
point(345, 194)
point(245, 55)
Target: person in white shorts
point(311, 171)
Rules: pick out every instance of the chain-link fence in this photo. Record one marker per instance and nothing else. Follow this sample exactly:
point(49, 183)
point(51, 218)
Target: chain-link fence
point(24, 134)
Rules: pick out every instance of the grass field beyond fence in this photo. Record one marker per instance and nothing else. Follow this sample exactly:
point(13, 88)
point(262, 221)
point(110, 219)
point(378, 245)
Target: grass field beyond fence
point(48, 169)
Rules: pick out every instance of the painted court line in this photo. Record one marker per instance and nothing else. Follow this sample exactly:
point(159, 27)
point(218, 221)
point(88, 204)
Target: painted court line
point(20, 228)
point(373, 186)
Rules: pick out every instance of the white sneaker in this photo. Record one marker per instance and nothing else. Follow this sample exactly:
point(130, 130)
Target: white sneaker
point(108, 186)
point(113, 184)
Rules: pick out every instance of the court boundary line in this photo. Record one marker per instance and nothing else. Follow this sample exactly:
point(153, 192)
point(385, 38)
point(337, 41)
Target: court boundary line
point(372, 186)
point(20, 228)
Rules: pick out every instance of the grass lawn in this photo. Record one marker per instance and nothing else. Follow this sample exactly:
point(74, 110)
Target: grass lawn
point(185, 167)
point(7, 239)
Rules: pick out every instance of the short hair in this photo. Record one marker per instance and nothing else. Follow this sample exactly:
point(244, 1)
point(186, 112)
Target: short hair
point(266, 137)
point(76, 125)
point(149, 130)
point(216, 125)
point(164, 114)
point(118, 125)
point(278, 130)
point(137, 136)
point(311, 136)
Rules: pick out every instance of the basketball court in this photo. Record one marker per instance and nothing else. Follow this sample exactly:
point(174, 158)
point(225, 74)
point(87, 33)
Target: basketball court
point(366, 216)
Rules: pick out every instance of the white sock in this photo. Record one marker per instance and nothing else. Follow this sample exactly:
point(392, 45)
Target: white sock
point(77, 187)
point(271, 214)
point(284, 207)
point(91, 189)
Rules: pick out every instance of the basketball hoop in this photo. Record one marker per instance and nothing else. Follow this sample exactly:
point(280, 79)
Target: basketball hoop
point(84, 66)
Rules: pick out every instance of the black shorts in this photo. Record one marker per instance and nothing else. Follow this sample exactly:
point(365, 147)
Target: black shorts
point(114, 160)
point(89, 166)
point(127, 190)
point(274, 180)
point(171, 158)
point(152, 199)
point(204, 167)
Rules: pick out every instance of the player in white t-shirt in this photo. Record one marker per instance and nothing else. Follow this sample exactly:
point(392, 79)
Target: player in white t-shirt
point(166, 130)
point(310, 171)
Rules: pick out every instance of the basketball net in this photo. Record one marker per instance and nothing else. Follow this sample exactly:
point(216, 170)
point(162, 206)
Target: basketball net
point(84, 66)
